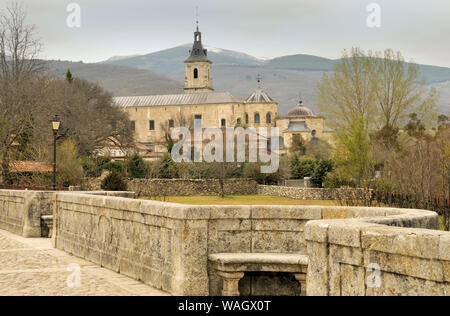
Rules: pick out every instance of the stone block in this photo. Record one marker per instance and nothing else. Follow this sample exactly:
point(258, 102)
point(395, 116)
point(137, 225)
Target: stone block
point(404, 265)
point(444, 247)
point(419, 243)
point(317, 231)
point(287, 212)
point(318, 279)
point(334, 212)
point(347, 255)
point(277, 242)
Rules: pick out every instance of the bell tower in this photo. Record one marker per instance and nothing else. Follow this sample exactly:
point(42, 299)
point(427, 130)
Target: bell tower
point(198, 68)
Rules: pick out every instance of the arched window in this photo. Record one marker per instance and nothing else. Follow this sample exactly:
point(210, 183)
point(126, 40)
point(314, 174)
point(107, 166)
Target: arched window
point(268, 118)
point(257, 119)
point(195, 73)
point(246, 118)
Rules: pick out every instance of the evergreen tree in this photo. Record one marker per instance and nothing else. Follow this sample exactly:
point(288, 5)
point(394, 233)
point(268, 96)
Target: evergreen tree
point(137, 167)
point(302, 167)
point(167, 168)
point(114, 182)
point(69, 76)
point(319, 174)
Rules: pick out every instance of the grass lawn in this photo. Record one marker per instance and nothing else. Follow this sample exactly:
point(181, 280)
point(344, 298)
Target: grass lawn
point(239, 200)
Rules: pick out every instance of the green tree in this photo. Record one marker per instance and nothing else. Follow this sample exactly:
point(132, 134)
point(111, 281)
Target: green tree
point(69, 76)
point(298, 145)
point(114, 182)
point(355, 155)
point(137, 167)
point(115, 166)
point(320, 172)
point(70, 170)
point(167, 168)
point(302, 167)
point(378, 88)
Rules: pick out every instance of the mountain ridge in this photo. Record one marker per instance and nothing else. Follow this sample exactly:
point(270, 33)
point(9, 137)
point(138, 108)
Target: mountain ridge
point(282, 77)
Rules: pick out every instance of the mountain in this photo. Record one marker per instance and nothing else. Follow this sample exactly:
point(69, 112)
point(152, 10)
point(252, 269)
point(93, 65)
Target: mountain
point(283, 77)
point(119, 80)
point(171, 60)
point(431, 74)
point(300, 62)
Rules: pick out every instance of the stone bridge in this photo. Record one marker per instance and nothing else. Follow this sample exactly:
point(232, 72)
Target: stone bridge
point(350, 250)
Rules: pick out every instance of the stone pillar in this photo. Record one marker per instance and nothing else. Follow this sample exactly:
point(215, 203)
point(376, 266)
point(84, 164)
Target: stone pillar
point(301, 278)
point(230, 282)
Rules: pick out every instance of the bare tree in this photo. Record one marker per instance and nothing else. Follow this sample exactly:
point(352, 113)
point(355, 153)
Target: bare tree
point(399, 90)
point(19, 49)
point(19, 45)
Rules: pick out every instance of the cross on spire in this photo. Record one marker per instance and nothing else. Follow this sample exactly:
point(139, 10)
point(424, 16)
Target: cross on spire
point(300, 98)
point(196, 16)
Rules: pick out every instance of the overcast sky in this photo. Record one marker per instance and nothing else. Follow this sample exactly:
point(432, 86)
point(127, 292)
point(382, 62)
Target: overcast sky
point(264, 28)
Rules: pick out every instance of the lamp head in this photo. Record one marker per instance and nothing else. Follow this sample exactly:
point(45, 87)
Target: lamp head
point(56, 123)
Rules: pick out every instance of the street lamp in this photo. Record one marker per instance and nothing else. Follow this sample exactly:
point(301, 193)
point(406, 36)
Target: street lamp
point(56, 123)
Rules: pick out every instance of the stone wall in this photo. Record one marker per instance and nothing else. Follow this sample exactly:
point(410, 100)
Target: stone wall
point(375, 256)
point(21, 211)
point(167, 245)
point(182, 187)
point(299, 183)
point(313, 194)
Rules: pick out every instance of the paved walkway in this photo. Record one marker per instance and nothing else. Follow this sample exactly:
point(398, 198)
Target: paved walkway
point(33, 267)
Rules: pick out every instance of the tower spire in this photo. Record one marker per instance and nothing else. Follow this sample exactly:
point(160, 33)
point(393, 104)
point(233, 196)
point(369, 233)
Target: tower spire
point(259, 79)
point(198, 66)
point(300, 99)
point(196, 17)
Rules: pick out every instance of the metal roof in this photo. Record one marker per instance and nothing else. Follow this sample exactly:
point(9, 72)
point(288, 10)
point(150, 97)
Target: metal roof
point(298, 127)
point(259, 96)
point(177, 99)
point(198, 53)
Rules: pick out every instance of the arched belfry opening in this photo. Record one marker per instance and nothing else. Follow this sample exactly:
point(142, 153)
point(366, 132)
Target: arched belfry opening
point(195, 73)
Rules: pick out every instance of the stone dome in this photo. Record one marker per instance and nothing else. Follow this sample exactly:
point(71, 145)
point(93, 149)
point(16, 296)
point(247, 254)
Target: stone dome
point(300, 111)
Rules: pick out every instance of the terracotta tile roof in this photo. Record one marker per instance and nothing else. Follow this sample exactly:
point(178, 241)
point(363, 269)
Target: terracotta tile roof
point(29, 167)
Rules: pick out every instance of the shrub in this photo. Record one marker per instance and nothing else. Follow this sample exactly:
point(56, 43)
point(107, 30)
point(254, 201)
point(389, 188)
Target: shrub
point(338, 178)
point(114, 182)
point(302, 167)
point(137, 167)
point(115, 166)
point(69, 166)
point(167, 169)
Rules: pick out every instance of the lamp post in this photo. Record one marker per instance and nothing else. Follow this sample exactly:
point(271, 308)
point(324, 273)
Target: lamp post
point(56, 123)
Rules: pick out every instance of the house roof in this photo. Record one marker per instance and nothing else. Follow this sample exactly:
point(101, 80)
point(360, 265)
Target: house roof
point(297, 127)
point(29, 167)
point(177, 99)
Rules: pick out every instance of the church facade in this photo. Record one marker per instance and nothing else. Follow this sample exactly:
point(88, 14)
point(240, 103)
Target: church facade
point(154, 116)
